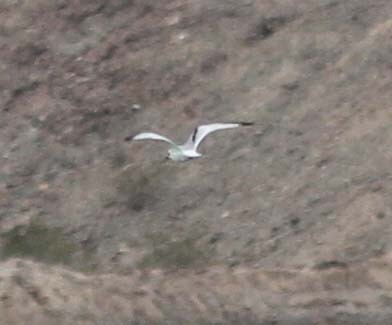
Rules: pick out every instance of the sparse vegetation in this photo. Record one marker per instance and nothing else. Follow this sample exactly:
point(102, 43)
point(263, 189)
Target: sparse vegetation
point(183, 253)
point(39, 242)
point(134, 190)
point(380, 215)
point(243, 318)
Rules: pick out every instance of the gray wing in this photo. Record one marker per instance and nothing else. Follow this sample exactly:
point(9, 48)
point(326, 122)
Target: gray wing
point(153, 136)
point(202, 131)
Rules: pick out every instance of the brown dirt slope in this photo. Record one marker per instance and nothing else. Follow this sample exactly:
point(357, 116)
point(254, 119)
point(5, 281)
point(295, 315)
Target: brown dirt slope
point(355, 294)
point(306, 188)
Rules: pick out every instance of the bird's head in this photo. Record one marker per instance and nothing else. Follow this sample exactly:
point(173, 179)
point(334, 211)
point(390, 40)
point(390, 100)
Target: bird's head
point(176, 154)
point(172, 154)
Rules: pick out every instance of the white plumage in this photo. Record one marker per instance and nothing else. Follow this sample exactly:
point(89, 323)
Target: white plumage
point(188, 150)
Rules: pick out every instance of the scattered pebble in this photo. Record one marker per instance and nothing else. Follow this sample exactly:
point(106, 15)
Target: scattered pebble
point(43, 186)
point(183, 35)
point(123, 248)
point(225, 214)
point(172, 20)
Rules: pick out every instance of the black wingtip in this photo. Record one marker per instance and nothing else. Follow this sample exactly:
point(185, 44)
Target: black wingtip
point(246, 123)
point(194, 134)
point(128, 138)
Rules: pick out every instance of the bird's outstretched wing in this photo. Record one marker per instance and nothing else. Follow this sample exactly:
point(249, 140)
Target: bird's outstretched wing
point(202, 131)
point(151, 136)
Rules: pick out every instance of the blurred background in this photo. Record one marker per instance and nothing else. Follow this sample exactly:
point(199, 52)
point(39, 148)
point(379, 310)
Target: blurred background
point(287, 222)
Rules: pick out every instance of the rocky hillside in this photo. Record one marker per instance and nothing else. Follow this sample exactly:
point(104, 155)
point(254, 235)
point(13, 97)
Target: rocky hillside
point(303, 194)
point(33, 293)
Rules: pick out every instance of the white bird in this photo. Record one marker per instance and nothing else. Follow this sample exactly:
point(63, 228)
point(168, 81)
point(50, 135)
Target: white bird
point(188, 150)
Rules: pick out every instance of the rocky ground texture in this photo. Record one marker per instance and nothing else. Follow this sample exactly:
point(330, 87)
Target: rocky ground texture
point(286, 222)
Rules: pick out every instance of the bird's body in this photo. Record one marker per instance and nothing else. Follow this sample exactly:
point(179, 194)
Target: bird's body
point(188, 150)
point(182, 154)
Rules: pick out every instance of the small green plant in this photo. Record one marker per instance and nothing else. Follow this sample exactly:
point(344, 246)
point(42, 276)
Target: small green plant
point(380, 215)
point(39, 242)
point(177, 254)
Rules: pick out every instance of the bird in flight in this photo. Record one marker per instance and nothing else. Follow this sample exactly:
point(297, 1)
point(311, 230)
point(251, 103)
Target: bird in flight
point(188, 150)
